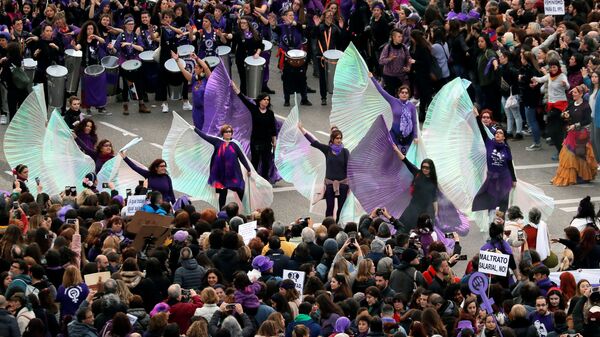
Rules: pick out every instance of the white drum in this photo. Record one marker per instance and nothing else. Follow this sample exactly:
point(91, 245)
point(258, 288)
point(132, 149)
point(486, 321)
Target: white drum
point(268, 46)
point(254, 75)
point(212, 61)
point(295, 57)
point(29, 65)
point(185, 51)
point(73, 63)
point(224, 53)
point(57, 76)
point(331, 58)
point(174, 79)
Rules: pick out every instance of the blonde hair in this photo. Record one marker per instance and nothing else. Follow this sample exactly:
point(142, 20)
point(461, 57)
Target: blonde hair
point(111, 242)
point(364, 270)
point(209, 296)
point(123, 292)
point(566, 260)
point(198, 329)
point(71, 277)
point(517, 311)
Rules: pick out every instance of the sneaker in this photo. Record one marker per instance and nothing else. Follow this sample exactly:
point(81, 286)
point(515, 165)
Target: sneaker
point(526, 133)
point(103, 111)
point(87, 113)
point(534, 147)
point(286, 103)
point(306, 102)
point(323, 101)
point(165, 107)
point(3, 120)
point(187, 106)
point(100, 111)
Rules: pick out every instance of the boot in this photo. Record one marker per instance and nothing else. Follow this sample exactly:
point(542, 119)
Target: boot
point(143, 109)
point(125, 109)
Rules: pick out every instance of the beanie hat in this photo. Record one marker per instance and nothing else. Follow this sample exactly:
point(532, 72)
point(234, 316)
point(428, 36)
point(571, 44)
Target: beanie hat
point(158, 308)
point(180, 236)
point(262, 263)
point(377, 246)
point(342, 324)
point(408, 255)
point(330, 246)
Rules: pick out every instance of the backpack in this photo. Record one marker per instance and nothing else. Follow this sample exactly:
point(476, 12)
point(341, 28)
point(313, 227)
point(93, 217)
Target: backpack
point(19, 77)
point(29, 289)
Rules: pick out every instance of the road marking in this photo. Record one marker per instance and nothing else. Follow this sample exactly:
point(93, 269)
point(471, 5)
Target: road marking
point(280, 117)
point(536, 166)
point(569, 209)
point(322, 133)
point(572, 201)
point(125, 132)
point(157, 145)
point(275, 190)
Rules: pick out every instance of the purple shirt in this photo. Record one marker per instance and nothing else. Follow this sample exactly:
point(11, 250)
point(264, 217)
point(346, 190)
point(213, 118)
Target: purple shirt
point(156, 182)
point(70, 298)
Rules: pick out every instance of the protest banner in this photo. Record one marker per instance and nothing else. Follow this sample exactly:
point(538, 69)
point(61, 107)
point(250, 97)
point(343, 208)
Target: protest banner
point(297, 277)
point(554, 7)
point(248, 231)
point(493, 263)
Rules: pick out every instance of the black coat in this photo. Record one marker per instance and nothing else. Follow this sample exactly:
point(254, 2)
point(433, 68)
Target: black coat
point(8, 325)
point(227, 261)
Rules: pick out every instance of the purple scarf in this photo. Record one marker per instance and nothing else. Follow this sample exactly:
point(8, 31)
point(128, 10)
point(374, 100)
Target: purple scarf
point(406, 123)
point(336, 149)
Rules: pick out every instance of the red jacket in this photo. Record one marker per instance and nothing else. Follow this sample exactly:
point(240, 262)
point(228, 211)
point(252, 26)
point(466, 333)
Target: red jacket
point(181, 313)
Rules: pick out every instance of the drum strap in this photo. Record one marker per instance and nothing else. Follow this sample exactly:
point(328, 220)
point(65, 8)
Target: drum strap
point(327, 36)
point(281, 56)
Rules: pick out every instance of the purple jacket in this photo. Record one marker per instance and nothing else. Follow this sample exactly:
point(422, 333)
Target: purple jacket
point(394, 67)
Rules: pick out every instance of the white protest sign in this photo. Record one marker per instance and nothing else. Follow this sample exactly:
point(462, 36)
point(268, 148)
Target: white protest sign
point(297, 277)
point(554, 7)
point(134, 204)
point(493, 263)
point(592, 275)
point(247, 231)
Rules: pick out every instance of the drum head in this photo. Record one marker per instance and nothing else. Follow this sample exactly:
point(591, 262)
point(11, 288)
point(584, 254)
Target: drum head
point(212, 61)
point(268, 45)
point(171, 66)
point(29, 63)
point(73, 53)
point(296, 53)
point(94, 70)
point(185, 50)
point(223, 50)
point(333, 54)
point(110, 62)
point(56, 71)
point(147, 56)
point(131, 65)
point(251, 61)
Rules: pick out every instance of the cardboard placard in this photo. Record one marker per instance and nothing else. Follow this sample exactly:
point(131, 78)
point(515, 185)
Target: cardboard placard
point(91, 280)
point(156, 234)
point(142, 219)
point(297, 277)
point(493, 263)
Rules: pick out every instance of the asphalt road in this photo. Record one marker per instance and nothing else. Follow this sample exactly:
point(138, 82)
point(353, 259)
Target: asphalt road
point(533, 167)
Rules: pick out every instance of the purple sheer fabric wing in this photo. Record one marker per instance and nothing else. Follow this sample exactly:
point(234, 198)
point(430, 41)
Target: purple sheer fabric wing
point(374, 170)
point(223, 106)
point(450, 219)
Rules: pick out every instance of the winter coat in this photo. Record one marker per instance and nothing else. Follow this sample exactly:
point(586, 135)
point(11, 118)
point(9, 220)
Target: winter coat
point(405, 278)
point(24, 316)
point(143, 319)
point(227, 261)
point(8, 325)
point(80, 329)
point(207, 311)
point(189, 275)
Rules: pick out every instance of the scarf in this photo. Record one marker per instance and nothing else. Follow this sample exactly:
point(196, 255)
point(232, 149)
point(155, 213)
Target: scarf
point(248, 34)
point(336, 149)
point(406, 123)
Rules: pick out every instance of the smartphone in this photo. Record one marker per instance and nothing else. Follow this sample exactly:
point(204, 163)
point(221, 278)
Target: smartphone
point(67, 190)
point(230, 306)
point(449, 235)
point(353, 241)
point(15, 204)
point(70, 221)
point(73, 190)
point(104, 185)
point(520, 235)
point(37, 180)
point(462, 258)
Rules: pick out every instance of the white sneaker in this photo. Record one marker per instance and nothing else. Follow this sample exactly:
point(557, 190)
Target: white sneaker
point(187, 106)
point(534, 147)
point(165, 107)
point(3, 120)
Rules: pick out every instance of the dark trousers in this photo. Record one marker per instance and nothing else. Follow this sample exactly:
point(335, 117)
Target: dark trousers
point(15, 98)
point(128, 78)
point(162, 85)
point(294, 81)
point(557, 135)
point(322, 79)
point(261, 158)
point(242, 72)
point(330, 199)
point(223, 195)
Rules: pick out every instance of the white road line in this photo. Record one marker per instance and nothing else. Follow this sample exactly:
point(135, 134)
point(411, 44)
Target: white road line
point(572, 201)
point(275, 190)
point(536, 166)
point(280, 117)
point(157, 145)
point(569, 209)
point(322, 133)
point(125, 132)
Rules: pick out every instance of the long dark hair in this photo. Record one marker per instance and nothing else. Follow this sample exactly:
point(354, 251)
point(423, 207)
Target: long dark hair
point(432, 172)
point(79, 129)
point(327, 306)
point(82, 38)
point(334, 134)
point(249, 19)
point(420, 41)
point(155, 164)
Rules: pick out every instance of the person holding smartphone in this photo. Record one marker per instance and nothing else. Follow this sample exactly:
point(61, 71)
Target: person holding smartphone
point(21, 174)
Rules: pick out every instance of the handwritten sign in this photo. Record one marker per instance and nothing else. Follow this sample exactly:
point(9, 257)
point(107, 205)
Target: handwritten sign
point(297, 277)
point(493, 263)
point(134, 204)
point(247, 231)
point(554, 7)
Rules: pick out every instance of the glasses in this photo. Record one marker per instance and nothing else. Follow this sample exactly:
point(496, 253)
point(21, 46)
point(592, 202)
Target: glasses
point(162, 165)
point(228, 131)
point(107, 145)
point(485, 117)
point(425, 167)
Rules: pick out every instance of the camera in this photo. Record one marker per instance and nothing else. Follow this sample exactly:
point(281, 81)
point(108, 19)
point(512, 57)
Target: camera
point(449, 235)
point(37, 180)
point(304, 222)
point(73, 191)
point(15, 205)
point(70, 221)
point(379, 212)
point(67, 191)
point(104, 185)
point(230, 306)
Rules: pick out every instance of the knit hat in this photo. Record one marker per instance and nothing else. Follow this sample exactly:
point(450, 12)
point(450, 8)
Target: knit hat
point(222, 215)
point(358, 297)
point(180, 236)
point(330, 247)
point(408, 255)
point(118, 198)
point(55, 199)
point(377, 246)
point(342, 324)
point(128, 20)
point(509, 39)
point(414, 16)
point(262, 263)
point(5, 35)
point(308, 235)
point(158, 308)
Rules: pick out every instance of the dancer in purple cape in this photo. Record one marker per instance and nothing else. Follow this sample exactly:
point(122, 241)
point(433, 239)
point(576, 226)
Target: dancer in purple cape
point(225, 171)
point(501, 176)
point(404, 125)
point(199, 79)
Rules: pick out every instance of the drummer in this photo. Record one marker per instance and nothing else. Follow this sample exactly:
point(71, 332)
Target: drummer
point(168, 43)
point(329, 36)
point(182, 21)
point(68, 33)
point(146, 30)
point(23, 37)
point(207, 39)
point(90, 44)
point(199, 79)
point(290, 38)
point(248, 43)
point(128, 46)
point(48, 51)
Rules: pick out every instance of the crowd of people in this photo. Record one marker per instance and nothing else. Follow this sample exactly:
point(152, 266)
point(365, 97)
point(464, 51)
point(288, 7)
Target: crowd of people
point(532, 75)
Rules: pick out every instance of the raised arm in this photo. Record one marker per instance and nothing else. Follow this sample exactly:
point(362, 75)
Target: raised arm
point(89, 151)
point(140, 170)
point(411, 167)
point(313, 141)
point(382, 91)
point(214, 141)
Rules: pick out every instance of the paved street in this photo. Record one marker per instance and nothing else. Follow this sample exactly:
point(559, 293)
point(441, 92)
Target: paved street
point(533, 167)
